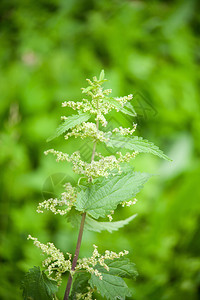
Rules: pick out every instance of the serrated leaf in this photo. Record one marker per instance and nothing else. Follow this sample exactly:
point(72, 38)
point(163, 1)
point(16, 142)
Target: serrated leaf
point(121, 267)
point(112, 286)
point(137, 144)
point(80, 284)
point(36, 285)
point(69, 123)
point(93, 225)
point(99, 199)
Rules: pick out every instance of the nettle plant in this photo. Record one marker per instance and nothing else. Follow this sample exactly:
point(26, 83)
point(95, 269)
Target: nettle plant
point(105, 182)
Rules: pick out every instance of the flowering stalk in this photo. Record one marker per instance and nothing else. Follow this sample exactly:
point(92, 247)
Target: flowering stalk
point(110, 182)
point(69, 283)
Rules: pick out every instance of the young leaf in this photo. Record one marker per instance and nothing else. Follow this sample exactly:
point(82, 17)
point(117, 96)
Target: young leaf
point(70, 122)
point(86, 90)
point(37, 285)
point(80, 284)
point(130, 112)
point(137, 144)
point(99, 199)
point(112, 286)
point(93, 225)
point(123, 109)
point(102, 74)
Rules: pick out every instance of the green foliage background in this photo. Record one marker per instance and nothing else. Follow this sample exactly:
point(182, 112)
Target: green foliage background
point(148, 48)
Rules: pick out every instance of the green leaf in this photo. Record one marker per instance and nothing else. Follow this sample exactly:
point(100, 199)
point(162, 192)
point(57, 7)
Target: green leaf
point(93, 225)
point(102, 75)
point(100, 198)
point(112, 286)
point(137, 144)
point(87, 89)
point(37, 285)
point(123, 109)
point(121, 267)
point(130, 112)
point(69, 123)
point(80, 284)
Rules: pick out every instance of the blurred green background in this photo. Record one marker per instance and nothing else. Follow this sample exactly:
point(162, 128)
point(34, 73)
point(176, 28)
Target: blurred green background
point(149, 49)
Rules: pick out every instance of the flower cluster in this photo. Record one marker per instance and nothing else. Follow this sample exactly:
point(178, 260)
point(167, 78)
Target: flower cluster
point(129, 203)
point(85, 296)
point(127, 157)
point(87, 129)
point(56, 262)
point(125, 131)
point(60, 155)
point(110, 215)
point(68, 199)
point(100, 104)
point(124, 100)
point(89, 263)
point(102, 167)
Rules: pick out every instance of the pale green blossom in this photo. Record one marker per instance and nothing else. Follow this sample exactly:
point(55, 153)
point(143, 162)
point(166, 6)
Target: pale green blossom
point(102, 167)
point(89, 263)
point(99, 103)
point(110, 216)
point(86, 296)
point(125, 131)
point(67, 200)
point(124, 100)
point(56, 263)
point(129, 203)
point(87, 129)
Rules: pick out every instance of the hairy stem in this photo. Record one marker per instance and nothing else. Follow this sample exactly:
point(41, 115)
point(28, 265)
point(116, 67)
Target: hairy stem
point(78, 245)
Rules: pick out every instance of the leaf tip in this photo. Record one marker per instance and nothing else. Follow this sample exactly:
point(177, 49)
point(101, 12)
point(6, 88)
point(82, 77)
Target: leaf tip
point(102, 75)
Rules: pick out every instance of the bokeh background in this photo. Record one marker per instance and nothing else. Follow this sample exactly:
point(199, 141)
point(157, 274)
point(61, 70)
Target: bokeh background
point(148, 48)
